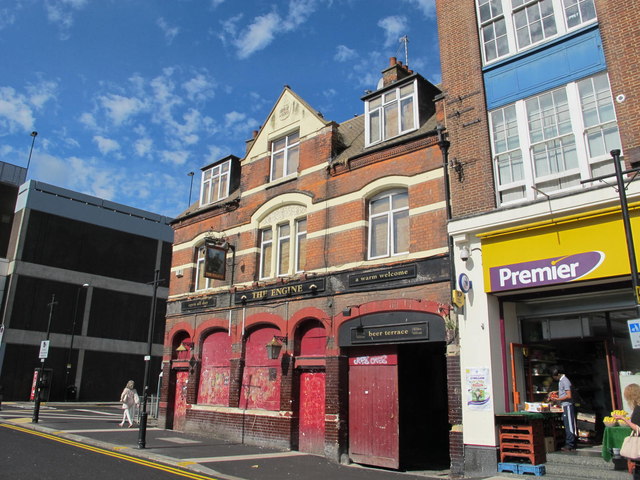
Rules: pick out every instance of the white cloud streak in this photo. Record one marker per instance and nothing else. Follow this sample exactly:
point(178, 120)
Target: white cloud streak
point(394, 27)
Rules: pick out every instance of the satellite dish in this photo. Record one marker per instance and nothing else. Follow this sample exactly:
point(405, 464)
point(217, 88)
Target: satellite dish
point(380, 84)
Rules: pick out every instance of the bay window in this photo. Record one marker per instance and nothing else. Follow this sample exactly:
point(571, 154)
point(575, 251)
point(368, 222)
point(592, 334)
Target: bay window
point(510, 26)
point(553, 141)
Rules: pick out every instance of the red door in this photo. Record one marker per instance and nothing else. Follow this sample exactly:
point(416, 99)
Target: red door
point(312, 412)
point(373, 410)
point(180, 406)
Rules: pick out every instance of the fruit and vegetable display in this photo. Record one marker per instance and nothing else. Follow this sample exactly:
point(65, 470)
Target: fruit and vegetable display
point(612, 420)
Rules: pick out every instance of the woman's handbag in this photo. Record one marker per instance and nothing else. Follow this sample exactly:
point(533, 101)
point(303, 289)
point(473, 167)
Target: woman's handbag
point(631, 447)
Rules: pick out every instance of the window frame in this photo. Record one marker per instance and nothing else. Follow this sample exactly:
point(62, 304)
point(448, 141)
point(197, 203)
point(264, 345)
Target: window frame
point(561, 9)
point(294, 238)
point(395, 98)
point(207, 181)
point(390, 214)
point(532, 184)
point(286, 150)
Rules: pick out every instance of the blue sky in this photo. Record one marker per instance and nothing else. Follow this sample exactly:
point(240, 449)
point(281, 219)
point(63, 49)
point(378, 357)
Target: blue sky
point(129, 96)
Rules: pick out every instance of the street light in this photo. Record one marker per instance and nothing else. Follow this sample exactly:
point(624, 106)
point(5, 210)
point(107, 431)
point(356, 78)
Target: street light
point(142, 432)
point(73, 332)
point(191, 174)
point(44, 352)
point(34, 134)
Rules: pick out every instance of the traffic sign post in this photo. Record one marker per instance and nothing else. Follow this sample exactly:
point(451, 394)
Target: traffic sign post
point(634, 332)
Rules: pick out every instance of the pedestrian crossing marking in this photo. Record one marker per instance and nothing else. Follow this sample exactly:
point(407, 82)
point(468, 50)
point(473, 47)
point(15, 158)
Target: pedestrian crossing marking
point(21, 420)
point(184, 464)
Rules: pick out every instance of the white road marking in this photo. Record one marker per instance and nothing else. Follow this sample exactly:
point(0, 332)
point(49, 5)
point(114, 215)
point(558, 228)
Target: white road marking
point(235, 458)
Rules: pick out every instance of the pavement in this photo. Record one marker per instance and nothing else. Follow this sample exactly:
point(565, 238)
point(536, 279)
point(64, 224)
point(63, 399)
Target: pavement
point(96, 424)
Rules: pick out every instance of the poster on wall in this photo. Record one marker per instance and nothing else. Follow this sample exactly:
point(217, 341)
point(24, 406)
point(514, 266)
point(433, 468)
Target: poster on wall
point(478, 385)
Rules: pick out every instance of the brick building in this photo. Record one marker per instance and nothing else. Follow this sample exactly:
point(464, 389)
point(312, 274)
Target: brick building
point(536, 94)
point(326, 242)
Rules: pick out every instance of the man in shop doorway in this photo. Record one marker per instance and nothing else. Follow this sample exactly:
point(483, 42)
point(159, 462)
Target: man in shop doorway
point(564, 398)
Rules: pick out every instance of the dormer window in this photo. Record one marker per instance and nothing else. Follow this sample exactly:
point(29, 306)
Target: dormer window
point(215, 183)
point(391, 113)
point(285, 152)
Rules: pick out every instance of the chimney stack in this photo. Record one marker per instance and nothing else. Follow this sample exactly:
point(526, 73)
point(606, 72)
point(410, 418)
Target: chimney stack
point(396, 71)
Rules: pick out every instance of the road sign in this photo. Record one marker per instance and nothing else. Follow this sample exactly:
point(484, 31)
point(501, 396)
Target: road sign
point(44, 349)
point(634, 332)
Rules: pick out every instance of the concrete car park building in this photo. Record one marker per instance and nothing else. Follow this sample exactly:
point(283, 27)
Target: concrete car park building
point(537, 93)
point(309, 296)
point(94, 259)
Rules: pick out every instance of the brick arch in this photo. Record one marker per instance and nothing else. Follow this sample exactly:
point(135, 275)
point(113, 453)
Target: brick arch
point(259, 319)
point(207, 326)
point(382, 184)
point(177, 330)
point(306, 313)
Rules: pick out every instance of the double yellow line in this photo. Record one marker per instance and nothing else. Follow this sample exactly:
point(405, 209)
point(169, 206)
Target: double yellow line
point(102, 451)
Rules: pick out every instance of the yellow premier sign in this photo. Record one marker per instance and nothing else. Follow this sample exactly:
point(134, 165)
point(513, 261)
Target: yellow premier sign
point(581, 247)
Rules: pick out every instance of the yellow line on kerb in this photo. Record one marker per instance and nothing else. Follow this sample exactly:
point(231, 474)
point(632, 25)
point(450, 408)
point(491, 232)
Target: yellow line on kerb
point(109, 453)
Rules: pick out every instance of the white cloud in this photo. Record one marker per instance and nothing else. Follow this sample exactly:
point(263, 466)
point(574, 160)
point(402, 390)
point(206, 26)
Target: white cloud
point(238, 123)
point(41, 93)
point(394, 27)
point(199, 88)
point(143, 147)
point(264, 28)
point(7, 17)
point(119, 109)
point(88, 120)
point(215, 3)
point(174, 157)
point(344, 54)
point(15, 111)
point(106, 145)
point(258, 35)
point(61, 13)
point(428, 7)
point(169, 32)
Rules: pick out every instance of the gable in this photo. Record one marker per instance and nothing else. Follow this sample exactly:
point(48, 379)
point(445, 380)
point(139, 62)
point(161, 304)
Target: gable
point(289, 114)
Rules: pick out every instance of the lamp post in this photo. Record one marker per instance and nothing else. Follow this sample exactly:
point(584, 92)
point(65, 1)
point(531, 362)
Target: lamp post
point(142, 432)
point(191, 174)
point(34, 134)
point(43, 355)
point(73, 333)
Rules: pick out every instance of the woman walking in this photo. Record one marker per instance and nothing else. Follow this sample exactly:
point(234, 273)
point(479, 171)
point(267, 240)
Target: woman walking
point(129, 399)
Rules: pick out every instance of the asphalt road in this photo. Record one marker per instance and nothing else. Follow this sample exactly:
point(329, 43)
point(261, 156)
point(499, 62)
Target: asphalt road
point(29, 454)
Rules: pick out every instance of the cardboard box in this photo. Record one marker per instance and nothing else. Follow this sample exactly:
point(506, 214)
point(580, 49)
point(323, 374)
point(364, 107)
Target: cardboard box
point(586, 417)
point(536, 407)
point(549, 444)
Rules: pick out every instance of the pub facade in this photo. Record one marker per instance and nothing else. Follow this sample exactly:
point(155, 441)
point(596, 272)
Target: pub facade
point(309, 295)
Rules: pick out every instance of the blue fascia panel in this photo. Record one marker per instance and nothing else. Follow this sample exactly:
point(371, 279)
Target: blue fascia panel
point(551, 65)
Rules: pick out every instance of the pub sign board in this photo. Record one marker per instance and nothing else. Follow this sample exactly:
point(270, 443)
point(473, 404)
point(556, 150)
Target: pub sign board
point(390, 333)
point(388, 274)
point(280, 291)
point(215, 262)
point(198, 304)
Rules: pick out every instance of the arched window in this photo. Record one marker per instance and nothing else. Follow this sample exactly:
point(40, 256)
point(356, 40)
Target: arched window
point(389, 224)
point(283, 238)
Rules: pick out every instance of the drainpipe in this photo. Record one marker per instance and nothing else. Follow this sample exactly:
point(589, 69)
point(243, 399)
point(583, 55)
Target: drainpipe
point(444, 149)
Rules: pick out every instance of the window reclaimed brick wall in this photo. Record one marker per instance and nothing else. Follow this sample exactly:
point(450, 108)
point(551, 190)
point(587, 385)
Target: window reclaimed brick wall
point(465, 108)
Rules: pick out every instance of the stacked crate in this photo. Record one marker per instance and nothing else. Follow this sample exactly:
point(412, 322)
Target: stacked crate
point(523, 442)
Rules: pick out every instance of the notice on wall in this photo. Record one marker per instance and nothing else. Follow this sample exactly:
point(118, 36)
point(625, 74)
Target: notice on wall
point(478, 383)
point(634, 332)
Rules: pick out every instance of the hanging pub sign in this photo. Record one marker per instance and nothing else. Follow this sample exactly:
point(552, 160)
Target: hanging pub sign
point(215, 261)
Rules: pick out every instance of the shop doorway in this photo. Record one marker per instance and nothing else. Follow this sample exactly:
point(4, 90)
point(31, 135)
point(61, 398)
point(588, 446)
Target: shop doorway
point(398, 409)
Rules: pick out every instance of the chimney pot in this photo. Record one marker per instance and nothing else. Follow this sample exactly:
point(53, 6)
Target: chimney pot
point(393, 61)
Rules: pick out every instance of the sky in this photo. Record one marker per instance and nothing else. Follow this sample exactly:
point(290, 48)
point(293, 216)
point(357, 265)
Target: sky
point(129, 96)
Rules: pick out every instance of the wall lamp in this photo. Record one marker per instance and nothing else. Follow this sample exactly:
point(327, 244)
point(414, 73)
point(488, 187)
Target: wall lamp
point(274, 347)
point(458, 167)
